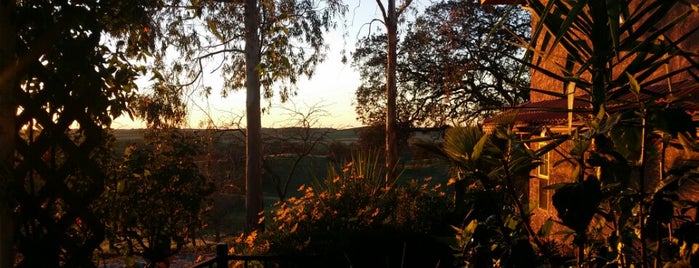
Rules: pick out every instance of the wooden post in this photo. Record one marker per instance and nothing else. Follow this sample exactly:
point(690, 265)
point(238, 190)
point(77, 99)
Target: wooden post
point(222, 255)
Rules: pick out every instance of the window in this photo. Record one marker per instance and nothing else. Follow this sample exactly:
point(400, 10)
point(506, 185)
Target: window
point(542, 174)
point(543, 170)
point(543, 193)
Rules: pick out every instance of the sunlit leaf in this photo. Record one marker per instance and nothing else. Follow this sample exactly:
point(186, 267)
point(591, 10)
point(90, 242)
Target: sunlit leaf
point(633, 84)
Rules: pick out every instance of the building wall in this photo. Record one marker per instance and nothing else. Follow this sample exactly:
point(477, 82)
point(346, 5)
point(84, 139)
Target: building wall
point(539, 80)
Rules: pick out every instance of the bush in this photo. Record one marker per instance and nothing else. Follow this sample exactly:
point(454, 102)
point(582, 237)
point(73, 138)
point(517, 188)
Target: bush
point(354, 219)
point(155, 198)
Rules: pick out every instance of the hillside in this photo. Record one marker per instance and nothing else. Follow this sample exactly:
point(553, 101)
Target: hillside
point(350, 134)
point(124, 137)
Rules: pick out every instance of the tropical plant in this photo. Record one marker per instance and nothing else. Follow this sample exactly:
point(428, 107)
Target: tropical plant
point(629, 61)
point(489, 169)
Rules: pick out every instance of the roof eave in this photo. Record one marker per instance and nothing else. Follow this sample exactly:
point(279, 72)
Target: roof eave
point(499, 2)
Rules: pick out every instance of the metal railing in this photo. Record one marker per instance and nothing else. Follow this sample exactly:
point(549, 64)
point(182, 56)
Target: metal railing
point(222, 259)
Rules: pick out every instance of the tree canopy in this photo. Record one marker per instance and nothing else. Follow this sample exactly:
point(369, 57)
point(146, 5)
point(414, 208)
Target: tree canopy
point(452, 65)
point(209, 36)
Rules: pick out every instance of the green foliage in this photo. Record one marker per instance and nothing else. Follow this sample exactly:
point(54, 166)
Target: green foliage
point(372, 137)
point(352, 218)
point(155, 198)
point(465, 145)
point(631, 208)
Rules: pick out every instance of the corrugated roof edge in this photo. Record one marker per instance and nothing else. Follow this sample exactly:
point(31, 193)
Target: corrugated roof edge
point(498, 2)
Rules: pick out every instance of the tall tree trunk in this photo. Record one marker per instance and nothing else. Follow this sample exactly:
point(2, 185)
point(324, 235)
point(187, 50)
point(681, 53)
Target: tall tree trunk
point(253, 174)
point(391, 92)
point(8, 70)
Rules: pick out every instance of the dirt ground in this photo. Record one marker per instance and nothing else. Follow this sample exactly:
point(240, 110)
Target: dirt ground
point(185, 258)
point(178, 261)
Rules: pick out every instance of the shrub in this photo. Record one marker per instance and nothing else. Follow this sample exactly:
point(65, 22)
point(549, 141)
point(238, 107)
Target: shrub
point(354, 219)
point(155, 197)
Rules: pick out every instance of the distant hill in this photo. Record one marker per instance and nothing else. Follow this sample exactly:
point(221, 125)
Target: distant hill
point(349, 133)
point(128, 136)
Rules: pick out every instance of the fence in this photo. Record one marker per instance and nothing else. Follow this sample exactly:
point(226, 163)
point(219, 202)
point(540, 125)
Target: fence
point(222, 259)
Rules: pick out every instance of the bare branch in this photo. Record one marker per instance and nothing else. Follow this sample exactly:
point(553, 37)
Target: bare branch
point(368, 24)
point(229, 50)
point(302, 139)
point(225, 42)
point(194, 79)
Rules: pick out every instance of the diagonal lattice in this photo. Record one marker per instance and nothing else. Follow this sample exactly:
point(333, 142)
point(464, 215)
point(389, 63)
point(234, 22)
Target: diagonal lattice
point(59, 177)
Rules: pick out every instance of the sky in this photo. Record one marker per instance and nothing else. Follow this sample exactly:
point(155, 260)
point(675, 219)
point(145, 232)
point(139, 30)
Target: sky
point(331, 89)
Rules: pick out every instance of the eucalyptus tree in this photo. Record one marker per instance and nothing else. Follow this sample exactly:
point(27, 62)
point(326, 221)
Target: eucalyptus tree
point(261, 46)
point(453, 66)
point(390, 15)
point(61, 83)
